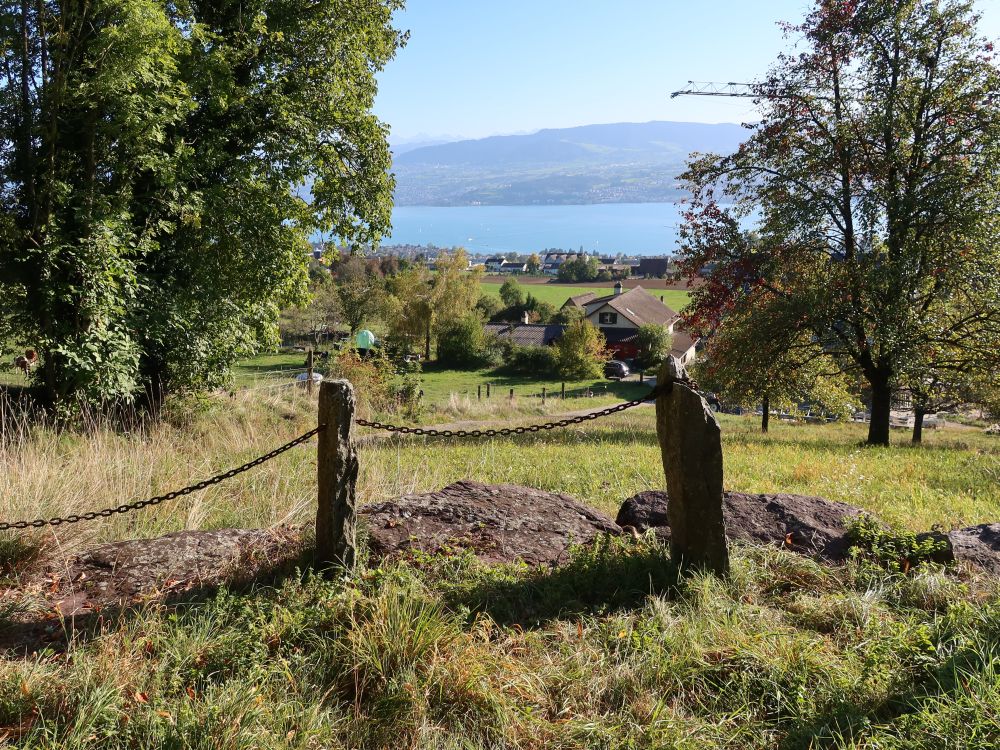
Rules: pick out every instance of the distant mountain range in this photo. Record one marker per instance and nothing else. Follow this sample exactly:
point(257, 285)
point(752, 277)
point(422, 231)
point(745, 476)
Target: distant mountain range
point(617, 163)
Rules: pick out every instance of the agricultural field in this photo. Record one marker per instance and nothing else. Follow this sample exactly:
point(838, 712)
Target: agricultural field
point(557, 294)
point(612, 650)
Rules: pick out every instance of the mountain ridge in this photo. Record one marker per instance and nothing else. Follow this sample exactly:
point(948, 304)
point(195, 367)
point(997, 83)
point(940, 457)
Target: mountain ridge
point(600, 163)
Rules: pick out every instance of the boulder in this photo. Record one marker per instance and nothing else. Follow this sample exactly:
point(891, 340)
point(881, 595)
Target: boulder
point(122, 573)
point(978, 545)
point(810, 525)
point(499, 523)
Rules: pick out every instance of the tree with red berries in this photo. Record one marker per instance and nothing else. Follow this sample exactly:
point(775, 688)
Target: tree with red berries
point(873, 178)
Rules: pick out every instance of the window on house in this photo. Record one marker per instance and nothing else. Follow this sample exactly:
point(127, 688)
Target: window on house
point(608, 319)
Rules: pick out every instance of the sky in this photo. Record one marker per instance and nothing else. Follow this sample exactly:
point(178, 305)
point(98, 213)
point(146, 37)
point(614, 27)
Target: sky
point(480, 68)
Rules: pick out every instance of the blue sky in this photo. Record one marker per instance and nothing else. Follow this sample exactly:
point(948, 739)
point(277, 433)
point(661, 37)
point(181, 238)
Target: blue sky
point(475, 68)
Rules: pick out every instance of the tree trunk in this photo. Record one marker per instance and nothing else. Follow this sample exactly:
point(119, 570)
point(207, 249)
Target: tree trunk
point(918, 424)
point(765, 417)
point(878, 428)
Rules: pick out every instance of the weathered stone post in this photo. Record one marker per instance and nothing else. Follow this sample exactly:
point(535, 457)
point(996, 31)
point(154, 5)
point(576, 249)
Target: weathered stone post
point(691, 448)
point(337, 476)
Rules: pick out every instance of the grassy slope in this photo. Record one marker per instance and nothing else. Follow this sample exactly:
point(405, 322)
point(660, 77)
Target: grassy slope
point(557, 294)
point(785, 655)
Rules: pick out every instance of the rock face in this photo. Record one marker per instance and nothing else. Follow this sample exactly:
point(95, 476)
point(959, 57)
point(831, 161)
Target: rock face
point(979, 545)
point(691, 448)
point(122, 573)
point(500, 523)
point(805, 524)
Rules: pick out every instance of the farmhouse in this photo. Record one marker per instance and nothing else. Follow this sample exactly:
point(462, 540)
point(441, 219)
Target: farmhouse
point(527, 334)
point(619, 316)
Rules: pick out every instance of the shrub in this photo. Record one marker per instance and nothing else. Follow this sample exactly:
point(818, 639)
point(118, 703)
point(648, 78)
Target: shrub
point(654, 345)
point(531, 360)
point(580, 351)
point(896, 550)
point(462, 342)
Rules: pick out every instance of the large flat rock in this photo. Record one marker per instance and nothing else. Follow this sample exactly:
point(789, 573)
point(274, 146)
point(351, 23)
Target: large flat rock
point(499, 522)
point(810, 525)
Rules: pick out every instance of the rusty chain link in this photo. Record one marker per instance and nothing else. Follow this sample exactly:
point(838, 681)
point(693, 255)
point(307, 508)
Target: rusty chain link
point(431, 432)
point(108, 512)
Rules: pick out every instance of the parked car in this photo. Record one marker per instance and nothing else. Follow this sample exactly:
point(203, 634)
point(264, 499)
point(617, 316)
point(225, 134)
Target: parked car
point(616, 370)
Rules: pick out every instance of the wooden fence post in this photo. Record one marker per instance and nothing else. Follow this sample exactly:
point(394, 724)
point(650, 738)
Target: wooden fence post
point(309, 371)
point(337, 475)
point(543, 395)
point(487, 390)
point(512, 395)
point(564, 390)
point(691, 450)
point(479, 392)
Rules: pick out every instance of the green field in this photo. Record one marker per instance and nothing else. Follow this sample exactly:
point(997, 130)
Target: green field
point(440, 384)
point(268, 368)
point(557, 294)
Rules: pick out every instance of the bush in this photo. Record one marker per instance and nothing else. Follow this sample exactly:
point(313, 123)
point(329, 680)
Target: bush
point(462, 342)
point(580, 352)
point(531, 360)
point(654, 345)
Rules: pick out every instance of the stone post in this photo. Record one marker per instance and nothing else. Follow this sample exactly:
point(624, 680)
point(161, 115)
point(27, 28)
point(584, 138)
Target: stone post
point(691, 448)
point(337, 476)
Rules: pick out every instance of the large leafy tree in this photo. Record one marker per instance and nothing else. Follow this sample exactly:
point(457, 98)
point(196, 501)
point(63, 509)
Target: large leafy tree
point(747, 361)
point(873, 175)
point(153, 159)
point(423, 302)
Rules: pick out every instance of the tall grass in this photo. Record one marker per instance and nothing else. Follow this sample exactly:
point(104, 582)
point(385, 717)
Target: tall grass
point(785, 654)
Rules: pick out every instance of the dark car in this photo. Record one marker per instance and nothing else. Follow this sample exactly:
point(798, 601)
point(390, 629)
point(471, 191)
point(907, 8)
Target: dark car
point(616, 370)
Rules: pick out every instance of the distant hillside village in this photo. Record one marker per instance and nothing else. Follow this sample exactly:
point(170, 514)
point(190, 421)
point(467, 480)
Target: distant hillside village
point(565, 265)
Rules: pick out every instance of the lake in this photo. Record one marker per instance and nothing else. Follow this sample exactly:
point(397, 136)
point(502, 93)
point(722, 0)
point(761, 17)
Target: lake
point(608, 228)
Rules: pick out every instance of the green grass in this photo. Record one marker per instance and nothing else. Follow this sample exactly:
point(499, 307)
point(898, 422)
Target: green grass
point(610, 651)
point(557, 294)
point(439, 384)
point(266, 368)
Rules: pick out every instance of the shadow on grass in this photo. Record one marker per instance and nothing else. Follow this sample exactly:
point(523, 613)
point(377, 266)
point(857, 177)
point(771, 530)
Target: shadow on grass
point(613, 574)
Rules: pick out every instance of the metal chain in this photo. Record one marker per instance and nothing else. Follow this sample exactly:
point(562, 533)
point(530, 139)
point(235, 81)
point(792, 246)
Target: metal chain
point(431, 432)
point(108, 512)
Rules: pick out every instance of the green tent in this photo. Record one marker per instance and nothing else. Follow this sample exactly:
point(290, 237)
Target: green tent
point(365, 339)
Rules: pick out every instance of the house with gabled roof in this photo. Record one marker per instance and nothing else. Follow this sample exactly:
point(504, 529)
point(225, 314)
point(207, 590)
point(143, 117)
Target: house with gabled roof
point(620, 315)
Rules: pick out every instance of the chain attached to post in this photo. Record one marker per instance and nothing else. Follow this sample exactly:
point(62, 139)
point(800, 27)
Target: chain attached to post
point(108, 512)
point(431, 432)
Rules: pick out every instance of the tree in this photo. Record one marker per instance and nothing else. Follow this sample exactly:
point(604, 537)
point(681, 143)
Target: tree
point(580, 352)
point(749, 360)
point(534, 263)
point(511, 294)
point(361, 291)
point(578, 270)
point(422, 301)
point(874, 174)
point(152, 222)
point(320, 315)
point(654, 345)
point(462, 342)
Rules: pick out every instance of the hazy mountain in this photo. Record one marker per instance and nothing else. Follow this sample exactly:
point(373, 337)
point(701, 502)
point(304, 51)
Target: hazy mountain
point(618, 163)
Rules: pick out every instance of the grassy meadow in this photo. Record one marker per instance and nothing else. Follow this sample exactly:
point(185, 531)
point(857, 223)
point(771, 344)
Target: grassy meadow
point(557, 294)
point(612, 650)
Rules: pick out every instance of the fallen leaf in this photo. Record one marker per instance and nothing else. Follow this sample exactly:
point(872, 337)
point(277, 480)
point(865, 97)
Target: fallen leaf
point(25, 690)
point(191, 694)
point(141, 698)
